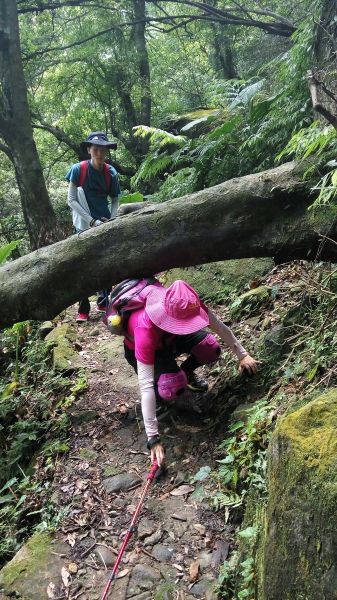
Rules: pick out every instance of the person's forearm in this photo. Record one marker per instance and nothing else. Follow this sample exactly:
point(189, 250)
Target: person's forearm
point(76, 206)
point(226, 334)
point(148, 398)
point(114, 207)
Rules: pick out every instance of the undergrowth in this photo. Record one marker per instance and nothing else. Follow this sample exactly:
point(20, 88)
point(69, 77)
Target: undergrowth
point(33, 433)
point(294, 335)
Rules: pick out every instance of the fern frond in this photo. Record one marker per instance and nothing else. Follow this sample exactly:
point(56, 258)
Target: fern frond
point(159, 136)
point(151, 166)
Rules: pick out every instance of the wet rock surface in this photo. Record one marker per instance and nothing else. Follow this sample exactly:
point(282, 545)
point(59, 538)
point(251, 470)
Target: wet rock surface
point(121, 482)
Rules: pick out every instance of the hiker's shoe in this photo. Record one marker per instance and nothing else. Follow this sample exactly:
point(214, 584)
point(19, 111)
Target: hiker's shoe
point(82, 317)
point(195, 383)
point(101, 308)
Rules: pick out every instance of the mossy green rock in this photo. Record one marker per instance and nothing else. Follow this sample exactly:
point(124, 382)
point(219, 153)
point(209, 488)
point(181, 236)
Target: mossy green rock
point(29, 573)
point(214, 281)
point(274, 343)
point(250, 302)
point(299, 550)
point(65, 358)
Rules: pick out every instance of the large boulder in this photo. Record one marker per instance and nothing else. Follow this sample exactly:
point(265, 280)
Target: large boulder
point(250, 302)
point(37, 564)
point(65, 357)
point(214, 281)
point(299, 550)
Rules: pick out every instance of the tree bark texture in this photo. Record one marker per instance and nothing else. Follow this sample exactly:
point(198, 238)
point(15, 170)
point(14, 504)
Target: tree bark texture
point(223, 55)
point(322, 78)
point(264, 214)
point(16, 130)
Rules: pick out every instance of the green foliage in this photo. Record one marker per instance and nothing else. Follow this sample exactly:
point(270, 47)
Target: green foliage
point(327, 187)
point(237, 577)
point(250, 131)
point(177, 184)
point(5, 251)
point(244, 465)
point(33, 431)
point(314, 139)
point(159, 158)
point(130, 198)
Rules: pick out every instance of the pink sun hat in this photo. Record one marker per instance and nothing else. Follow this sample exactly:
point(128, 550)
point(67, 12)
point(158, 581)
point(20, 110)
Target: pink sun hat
point(176, 309)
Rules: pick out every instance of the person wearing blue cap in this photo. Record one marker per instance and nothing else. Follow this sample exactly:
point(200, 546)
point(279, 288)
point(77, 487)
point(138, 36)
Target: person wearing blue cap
point(90, 183)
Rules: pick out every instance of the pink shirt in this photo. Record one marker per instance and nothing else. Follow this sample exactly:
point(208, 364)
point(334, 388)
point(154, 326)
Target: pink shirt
point(144, 337)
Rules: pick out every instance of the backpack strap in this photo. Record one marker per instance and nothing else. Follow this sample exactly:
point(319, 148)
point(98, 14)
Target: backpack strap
point(84, 165)
point(107, 176)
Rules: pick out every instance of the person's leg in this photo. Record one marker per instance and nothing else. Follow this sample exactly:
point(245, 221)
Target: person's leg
point(102, 300)
point(130, 357)
point(203, 349)
point(83, 310)
point(170, 380)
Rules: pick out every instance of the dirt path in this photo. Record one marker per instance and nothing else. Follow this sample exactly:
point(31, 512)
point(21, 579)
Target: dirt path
point(175, 552)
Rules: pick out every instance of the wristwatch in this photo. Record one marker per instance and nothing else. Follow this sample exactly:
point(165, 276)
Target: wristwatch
point(152, 442)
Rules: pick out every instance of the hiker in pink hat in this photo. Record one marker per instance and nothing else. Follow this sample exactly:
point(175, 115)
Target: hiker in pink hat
point(172, 322)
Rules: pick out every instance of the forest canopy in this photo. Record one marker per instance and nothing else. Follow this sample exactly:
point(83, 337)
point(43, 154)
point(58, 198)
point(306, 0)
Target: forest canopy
point(195, 93)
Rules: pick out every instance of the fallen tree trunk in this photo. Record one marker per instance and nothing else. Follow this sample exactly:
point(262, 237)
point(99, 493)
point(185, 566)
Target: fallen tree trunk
point(263, 214)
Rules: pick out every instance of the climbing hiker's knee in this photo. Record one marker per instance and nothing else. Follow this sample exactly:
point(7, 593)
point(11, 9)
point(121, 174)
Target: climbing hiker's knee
point(207, 351)
point(172, 385)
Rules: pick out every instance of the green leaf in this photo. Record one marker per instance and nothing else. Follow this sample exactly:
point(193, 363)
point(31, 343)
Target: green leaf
point(8, 484)
point(223, 129)
point(227, 460)
point(248, 533)
point(235, 426)
point(244, 594)
point(311, 374)
point(135, 197)
point(7, 498)
point(201, 474)
point(6, 250)
point(334, 178)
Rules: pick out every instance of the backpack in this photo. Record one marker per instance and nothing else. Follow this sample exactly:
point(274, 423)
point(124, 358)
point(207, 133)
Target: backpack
point(84, 166)
point(126, 297)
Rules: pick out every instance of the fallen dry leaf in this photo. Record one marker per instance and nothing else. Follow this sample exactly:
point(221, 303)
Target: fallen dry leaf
point(71, 539)
point(81, 484)
point(122, 573)
point(194, 571)
point(200, 528)
point(182, 490)
point(51, 590)
point(179, 567)
point(72, 568)
point(178, 517)
point(66, 577)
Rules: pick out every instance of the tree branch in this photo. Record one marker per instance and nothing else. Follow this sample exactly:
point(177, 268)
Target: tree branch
point(67, 3)
point(6, 151)
point(78, 43)
point(316, 104)
point(62, 137)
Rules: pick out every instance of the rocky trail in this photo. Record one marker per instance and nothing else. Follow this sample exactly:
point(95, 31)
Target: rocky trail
point(179, 542)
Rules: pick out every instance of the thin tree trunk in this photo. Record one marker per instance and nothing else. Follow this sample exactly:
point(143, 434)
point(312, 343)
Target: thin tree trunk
point(143, 62)
point(223, 55)
point(264, 214)
point(16, 130)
